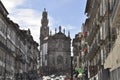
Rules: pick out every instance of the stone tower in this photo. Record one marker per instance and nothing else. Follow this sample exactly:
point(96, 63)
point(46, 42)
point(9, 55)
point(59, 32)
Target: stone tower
point(44, 34)
point(44, 30)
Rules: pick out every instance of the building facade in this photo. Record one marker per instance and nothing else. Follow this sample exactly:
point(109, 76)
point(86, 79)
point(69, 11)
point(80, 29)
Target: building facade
point(18, 51)
point(59, 55)
point(112, 61)
point(98, 38)
point(77, 50)
point(55, 49)
point(80, 49)
point(100, 47)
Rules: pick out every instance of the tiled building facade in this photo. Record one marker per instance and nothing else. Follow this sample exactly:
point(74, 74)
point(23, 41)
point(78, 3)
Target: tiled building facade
point(18, 51)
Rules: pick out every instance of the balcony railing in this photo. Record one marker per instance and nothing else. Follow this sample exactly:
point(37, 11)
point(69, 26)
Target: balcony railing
point(115, 8)
point(95, 47)
point(93, 50)
point(90, 37)
point(94, 7)
point(5, 47)
point(92, 34)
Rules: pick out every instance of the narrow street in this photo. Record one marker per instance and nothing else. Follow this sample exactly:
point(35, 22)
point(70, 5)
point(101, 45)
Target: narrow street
point(63, 40)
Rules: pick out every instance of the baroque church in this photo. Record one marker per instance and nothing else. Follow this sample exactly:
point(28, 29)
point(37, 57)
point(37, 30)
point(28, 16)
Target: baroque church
point(55, 49)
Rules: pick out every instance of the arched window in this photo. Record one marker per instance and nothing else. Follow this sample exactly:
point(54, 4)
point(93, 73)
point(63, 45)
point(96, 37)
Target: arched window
point(59, 59)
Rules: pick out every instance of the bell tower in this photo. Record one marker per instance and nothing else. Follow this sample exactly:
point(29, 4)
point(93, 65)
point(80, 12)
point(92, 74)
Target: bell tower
point(44, 30)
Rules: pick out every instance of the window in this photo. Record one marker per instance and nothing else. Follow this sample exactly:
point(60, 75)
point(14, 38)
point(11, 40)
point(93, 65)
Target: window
point(59, 59)
point(114, 34)
point(66, 61)
point(3, 27)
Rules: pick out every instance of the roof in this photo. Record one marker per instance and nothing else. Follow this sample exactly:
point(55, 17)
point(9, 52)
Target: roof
point(3, 9)
point(87, 6)
point(59, 35)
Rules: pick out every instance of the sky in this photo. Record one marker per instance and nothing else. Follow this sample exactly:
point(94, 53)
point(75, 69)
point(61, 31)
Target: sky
point(70, 14)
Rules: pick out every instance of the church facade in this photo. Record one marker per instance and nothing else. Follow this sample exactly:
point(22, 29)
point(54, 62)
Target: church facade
point(55, 49)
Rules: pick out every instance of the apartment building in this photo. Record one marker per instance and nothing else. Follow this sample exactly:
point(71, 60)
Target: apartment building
point(98, 38)
point(18, 51)
point(112, 61)
point(76, 44)
point(102, 26)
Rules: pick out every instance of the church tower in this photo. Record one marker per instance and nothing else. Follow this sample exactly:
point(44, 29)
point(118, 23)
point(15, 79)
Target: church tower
point(44, 30)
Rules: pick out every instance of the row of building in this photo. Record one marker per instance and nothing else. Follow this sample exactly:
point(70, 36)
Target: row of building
point(96, 49)
point(18, 51)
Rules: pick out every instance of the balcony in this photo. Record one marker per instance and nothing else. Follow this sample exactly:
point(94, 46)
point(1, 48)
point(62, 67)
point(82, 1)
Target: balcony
point(101, 42)
point(3, 46)
point(90, 37)
point(115, 11)
point(95, 47)
point(92, 34)
point(95, 29)
point(94, 7)
point(100, 19)
point(93, 69)
point(92, 51)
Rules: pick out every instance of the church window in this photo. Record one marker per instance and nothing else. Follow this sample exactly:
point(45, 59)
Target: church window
point(45, 56)
point(53, 60)
point(59, 59)
point(66, 60)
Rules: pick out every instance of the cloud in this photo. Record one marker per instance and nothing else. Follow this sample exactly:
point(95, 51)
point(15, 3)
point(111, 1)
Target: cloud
point(68, 27)
point(12, 4)
point(31, 18)
point(28, 18)
point(25, 17)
